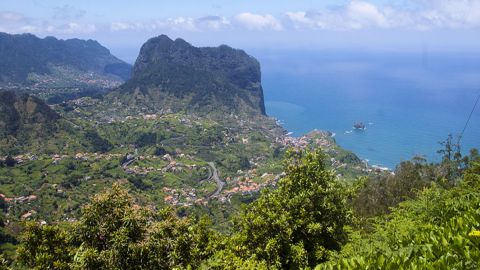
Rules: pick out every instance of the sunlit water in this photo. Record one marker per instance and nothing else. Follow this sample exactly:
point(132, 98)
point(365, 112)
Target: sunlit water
point(408, 101)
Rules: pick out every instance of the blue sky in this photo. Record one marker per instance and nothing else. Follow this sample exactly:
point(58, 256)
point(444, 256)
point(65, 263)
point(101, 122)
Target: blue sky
point(297, 24)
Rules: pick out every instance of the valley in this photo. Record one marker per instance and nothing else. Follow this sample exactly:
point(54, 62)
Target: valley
point(174, 164)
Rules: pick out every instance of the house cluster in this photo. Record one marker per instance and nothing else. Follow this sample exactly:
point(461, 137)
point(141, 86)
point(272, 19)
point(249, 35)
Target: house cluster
point(288, 141)
point(246, 186)
point(142, 116)
point(96, 156)
point(379, 169)
point(84, 101)
point(337, 164)
point(20, 199)
point(46, 81)
point(86, 156)
point(93, 79)
point(182, 197)
point(28, 214)
point(57, 158)
point(19, 159)
point(172, 166)
point(315, 138)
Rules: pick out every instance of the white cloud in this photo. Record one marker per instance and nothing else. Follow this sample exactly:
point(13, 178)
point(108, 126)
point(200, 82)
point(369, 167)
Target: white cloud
point(175, 24)
point(180, 24)
point(258, 22)
point(68, 12)
point(16, 23)
point(355, 15)
point(73, 28)
point(207, 23)
point(438, 14)
point(247, 21)
point(362, 14)
point(454, 14)
point(214, 23)
point(29, 29)
point(6, 16)
point(121, 26)
point(420, 15)
point(68, 28)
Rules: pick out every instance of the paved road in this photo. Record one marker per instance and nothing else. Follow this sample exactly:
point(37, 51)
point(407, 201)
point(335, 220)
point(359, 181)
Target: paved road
point(217, 179)
point(210, 174)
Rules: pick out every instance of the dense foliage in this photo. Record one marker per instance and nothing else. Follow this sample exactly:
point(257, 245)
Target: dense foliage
point(437, 230)
point(383, 191)
point(300, 222)
point(115, 233)
point(27, 124)
point(304, 222)
point(296, 225)
point(7, 240)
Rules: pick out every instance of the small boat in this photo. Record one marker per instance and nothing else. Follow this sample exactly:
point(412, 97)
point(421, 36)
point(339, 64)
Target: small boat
point(359, 125)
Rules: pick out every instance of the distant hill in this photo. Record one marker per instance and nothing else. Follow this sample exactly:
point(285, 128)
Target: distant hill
point(174, 76)
point(50, 62)
point(27, 124)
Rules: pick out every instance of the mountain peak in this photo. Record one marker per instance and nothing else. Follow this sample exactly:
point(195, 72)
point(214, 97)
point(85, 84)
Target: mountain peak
point(174, 75)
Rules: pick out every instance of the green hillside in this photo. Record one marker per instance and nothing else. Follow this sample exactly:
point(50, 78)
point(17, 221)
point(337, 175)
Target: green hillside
point(30, 126)
point(25, 55)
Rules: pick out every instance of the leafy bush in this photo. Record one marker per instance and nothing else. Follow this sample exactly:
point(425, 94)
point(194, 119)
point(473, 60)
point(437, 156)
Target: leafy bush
point(138, 182)
point(45, 247)
point(115, 233)
point(438, 230)
point(146, 139)
point(98, 144)
point(298, 224)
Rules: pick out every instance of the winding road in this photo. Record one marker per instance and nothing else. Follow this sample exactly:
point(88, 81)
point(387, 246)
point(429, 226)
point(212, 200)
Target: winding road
point(217, 179)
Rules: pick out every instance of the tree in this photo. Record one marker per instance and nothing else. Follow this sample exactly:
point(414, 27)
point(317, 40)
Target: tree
point(4, 265)
point(146, 139)
point(381, 192)
point(178, 242)
point(437, 230)
point(160, 151)
point(115, 233)
point(10, 161)
point(110, 231)
point(96, 142)
point(299, 223)
point(45, 247)
point(452, 163)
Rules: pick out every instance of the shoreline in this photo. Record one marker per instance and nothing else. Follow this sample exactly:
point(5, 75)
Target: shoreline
point(376, 167)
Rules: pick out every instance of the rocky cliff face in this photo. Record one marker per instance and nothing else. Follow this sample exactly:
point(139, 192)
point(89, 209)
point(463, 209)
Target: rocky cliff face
point(174, 75)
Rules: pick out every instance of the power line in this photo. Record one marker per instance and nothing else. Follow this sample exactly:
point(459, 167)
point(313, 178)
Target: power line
point(469, 117)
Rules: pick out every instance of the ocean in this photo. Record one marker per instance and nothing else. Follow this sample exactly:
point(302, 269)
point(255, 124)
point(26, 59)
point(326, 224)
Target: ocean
point(409, 101)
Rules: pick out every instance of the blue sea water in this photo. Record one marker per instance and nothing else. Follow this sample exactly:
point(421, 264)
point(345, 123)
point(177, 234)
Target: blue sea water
point(409, 101)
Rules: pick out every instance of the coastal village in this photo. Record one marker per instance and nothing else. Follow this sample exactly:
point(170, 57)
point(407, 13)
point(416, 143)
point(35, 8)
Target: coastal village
point(184, 162)
point(242, 183)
